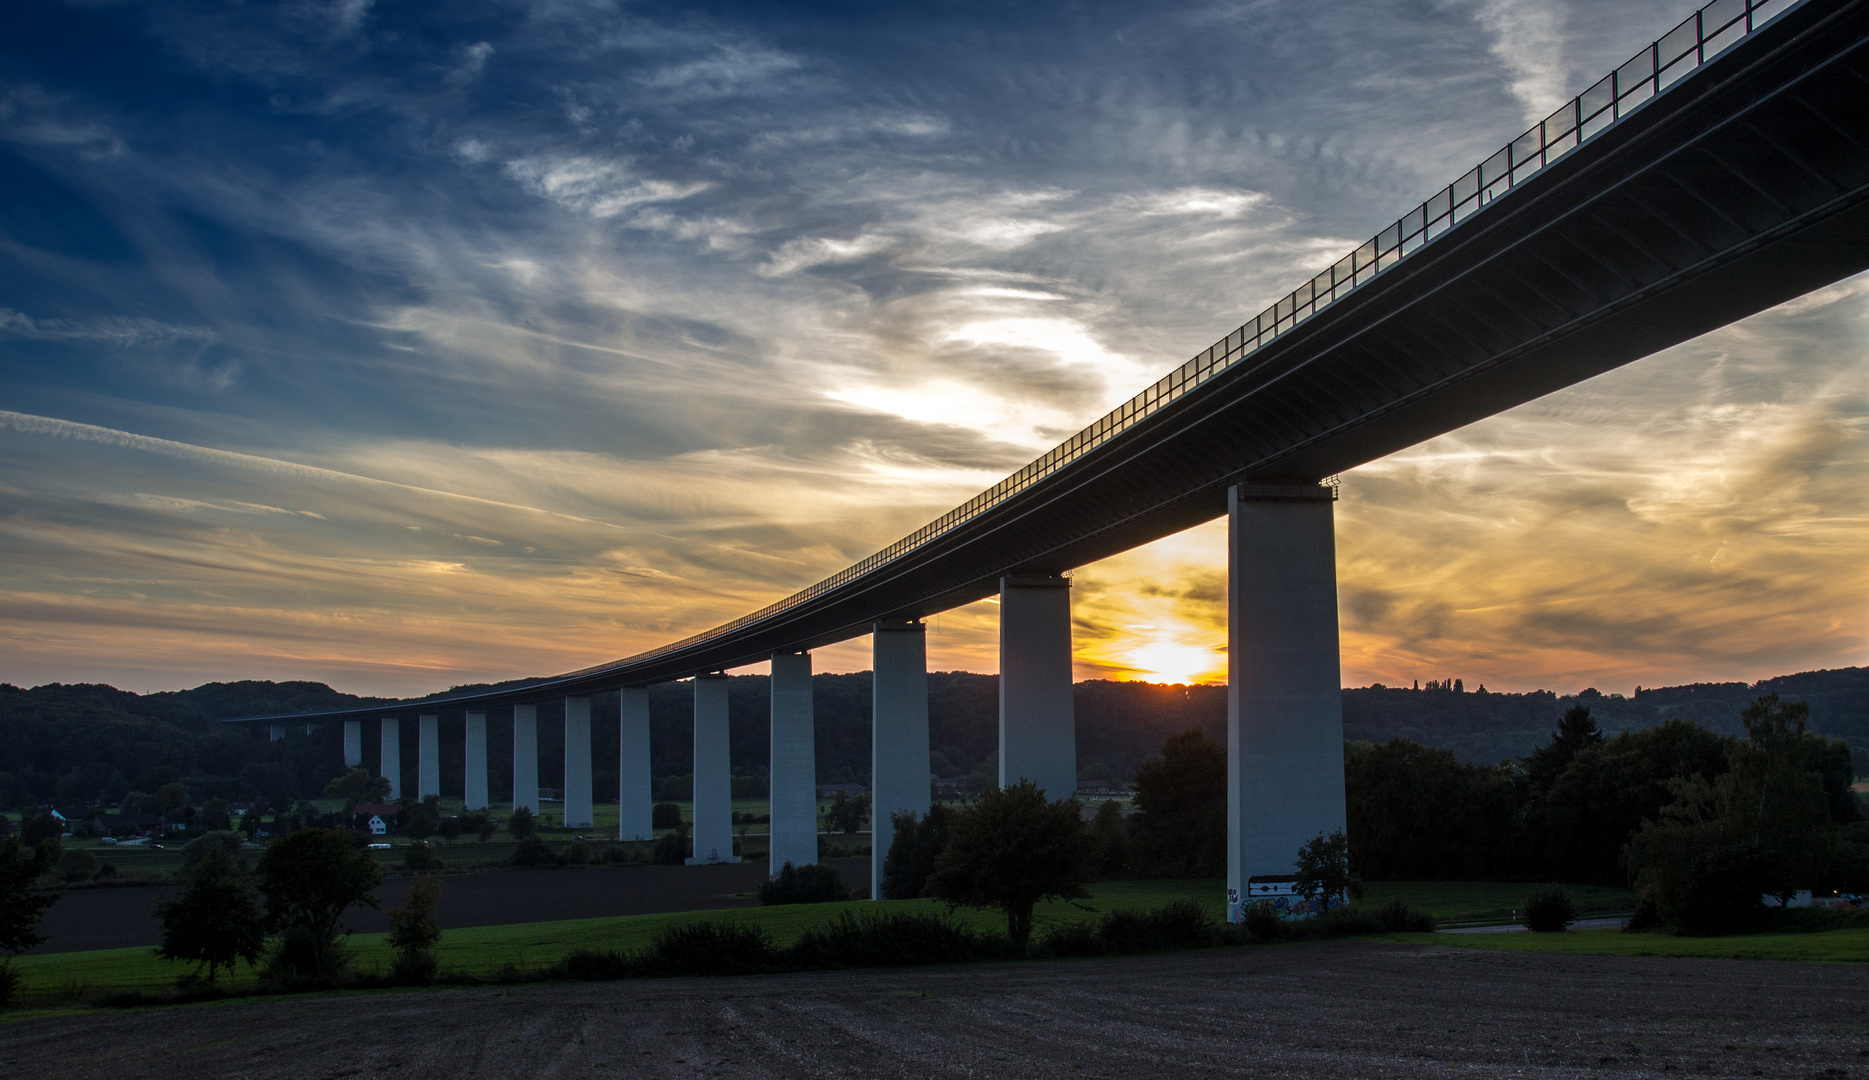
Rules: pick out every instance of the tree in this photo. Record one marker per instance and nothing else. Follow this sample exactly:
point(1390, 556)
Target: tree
point(484, 826)
point(1576, 732)
point(171, 799)
point(414, 931)
point(310, 878)
point(912, 854)
point(1010, 849)
point(450, 828)
point(1109, 829)
point(19, 908)
point(422, 819)
point(1415, 812)
point(1180, 827)
point(39, 828)
point(664, 815)
point(1324, 871)
point(358, 786)
point(216, 919)
point(847, 814)
point(522, 824)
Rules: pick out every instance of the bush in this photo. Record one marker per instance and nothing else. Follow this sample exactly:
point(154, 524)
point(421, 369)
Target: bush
point(420, 856)
point(671, 849)
point(1396, 917)
point(1263, 923)
point(711, 948)
point(593, 965)
point(532, 851)
point(896, 940)
point(414, 931)
point(665, 815)
point(911, 856)
point(1549, 910)
point(77, 865)
point(523, 823)
point(298, 958)
point(578, 854)
point(9, 983)
point(813, 883)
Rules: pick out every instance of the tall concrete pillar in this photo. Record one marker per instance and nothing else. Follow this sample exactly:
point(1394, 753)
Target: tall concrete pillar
point(476, 788)
point(577, 793)
point(427, 756)
point(713, 775)
point(1037, 723)
point(794, 771)
point(1284, 684)
point(275, 733)
point(353, 743)
point(526, 757)
point(899, 734)
point(392, 755)
point(634, 799)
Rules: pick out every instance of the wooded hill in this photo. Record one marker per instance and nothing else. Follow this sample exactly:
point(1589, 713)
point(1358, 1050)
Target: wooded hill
point(76, 743)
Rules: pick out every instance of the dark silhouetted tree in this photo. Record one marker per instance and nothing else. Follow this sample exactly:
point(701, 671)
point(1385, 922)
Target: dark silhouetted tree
point(216, 919)
point(912, 854)
point(1010, 849)
point(1323, 870)
point(310, 878)
point(1180, 827)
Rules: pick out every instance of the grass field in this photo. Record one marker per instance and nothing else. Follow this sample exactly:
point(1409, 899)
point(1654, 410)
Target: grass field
point(484, 950)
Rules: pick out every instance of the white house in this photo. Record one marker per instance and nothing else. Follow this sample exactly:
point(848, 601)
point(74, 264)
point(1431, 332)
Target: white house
point(377, 828)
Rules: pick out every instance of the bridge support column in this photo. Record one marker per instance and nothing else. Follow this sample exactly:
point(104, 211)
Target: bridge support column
point(1037, 724)
point(427, 756)
point(275, 733)
point(391, 743)
point(794, 771)
point(634, 799)
point(353, 743)
point(526, 757)
point(1284, 684)
point(899, 734)
point(577, 793)
point(476, 787)
point(713, 773)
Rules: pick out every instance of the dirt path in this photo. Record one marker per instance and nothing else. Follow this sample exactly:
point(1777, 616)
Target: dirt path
point(1341, 1009)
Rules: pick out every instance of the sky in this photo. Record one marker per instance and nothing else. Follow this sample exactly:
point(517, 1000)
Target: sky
point(401, 346)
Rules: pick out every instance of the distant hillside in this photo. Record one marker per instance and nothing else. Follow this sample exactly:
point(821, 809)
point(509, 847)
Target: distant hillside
point(79, 742)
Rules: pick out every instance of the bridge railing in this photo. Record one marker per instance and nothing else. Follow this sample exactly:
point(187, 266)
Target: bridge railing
point(1701, 36)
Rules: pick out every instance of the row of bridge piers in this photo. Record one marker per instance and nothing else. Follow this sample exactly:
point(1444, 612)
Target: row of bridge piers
point(1284, 713)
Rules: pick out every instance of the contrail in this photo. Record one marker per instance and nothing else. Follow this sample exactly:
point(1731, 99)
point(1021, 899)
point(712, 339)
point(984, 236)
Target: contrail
point(68, 429)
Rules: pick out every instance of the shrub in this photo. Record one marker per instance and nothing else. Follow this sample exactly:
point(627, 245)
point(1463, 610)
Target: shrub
point(1109, 830)
point(420, 856)
point(532, 851)
point(523, 823)
point(813, 883)
point(9, 983)
point(711, 948)
point(76, 865)
point(1549, 910)
point(578, 853)
point(1396, 917)
point(911, 856)
point(1180, 925)
point(664, 815)
point(414, 931)
point(593, 965)
point(298, 958)
point(1263, 923)
point(671, 849)
point(1072, 939)
point(895, 940)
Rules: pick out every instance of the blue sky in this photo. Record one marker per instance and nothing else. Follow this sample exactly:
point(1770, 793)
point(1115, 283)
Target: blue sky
point(399, 346)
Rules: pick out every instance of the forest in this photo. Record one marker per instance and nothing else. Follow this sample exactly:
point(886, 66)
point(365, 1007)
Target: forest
point(78, 743)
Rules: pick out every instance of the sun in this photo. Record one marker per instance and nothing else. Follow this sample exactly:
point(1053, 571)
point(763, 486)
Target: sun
point(1176, 662)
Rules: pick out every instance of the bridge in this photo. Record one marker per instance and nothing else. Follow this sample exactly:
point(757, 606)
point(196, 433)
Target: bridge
point(1720, 171)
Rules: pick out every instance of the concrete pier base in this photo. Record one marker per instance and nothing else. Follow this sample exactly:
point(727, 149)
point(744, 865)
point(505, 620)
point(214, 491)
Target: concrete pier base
point(391, 748)
point(713, 776)
point(634, 799)
point(275, 733)
point(1037, 721)
point(577, 792)
point(353, 743)
point(899, 739)
point(476, 787)
point(794, 771)
point(1284, 684)
point(427, 756)
point(526, 757)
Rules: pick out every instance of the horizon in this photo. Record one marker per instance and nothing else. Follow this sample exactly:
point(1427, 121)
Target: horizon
point(402, 348)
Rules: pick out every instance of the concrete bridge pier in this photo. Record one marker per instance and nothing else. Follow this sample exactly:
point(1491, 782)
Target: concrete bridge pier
point(391, 743)
point(1284, 684)
point(353, 743)
point(899, 733)
point(794, 772)
point(475, 794)
point(577, 792)
point(427, 756)
point(526, 757)
point(275, 733)
point(634, 799)
point(1037, 721)
point(713, 773)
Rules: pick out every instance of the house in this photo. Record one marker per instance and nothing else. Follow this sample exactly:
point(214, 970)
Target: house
point(377, 817)
point(377, 827)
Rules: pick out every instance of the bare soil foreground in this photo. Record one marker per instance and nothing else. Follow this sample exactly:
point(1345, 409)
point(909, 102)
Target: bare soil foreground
point(1332, 1009)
